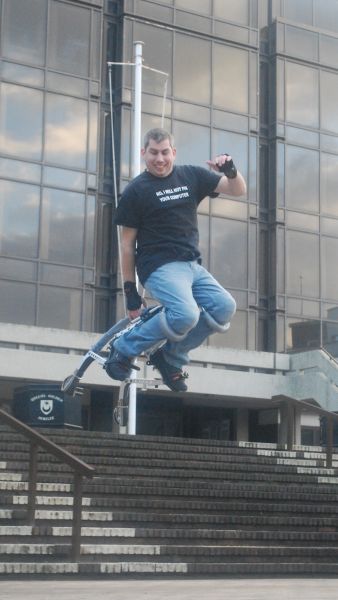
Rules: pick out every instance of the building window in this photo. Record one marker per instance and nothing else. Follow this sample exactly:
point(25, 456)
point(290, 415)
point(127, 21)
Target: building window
point(24, 30)
point(329, 101)
point(66, 131)
point(18, 302)
point(329, 185)
point(19, 219)
point(302, 264)
point(192, 78)
point(302, 178)
point(329, 268)
point(237, 12)
point(21, 121)
point(302, 104)
point(69, 38)
point(63, 219)
point(229, 252)
point(230, 92)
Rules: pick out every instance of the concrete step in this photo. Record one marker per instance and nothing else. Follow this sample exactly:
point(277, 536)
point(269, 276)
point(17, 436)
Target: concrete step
point(232, 471)
point(276, 476)
point(112, 443)
point(111, 569)
point(38, 533)
point(22, 486)
point(103, 463)
point(173, 552)
point(208, 506)
point(132, 519)
point(99, 486)
point(169, 505)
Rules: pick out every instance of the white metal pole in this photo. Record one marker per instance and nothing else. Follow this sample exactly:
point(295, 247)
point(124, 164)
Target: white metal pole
point(136, 168)
point(136, 153)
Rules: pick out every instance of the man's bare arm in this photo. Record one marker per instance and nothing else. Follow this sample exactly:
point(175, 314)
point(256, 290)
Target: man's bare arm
point(128, 250)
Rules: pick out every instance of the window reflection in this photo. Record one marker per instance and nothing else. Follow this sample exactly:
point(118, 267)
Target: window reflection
point(21, 121)
point(302, 95)
point(236, 336)
point(328, 50)
point(326, 15)
point(230, 92)
point(303, 334)
point(330, 334)
point(64, 178)
point(298, 11)
point(330, 337)
point(302, 264)
point(63, 226)
point(90, 231)
point(59, 307)
point(329, 101)
point(329, 267)
point(24, 30)
point(20, 170)
point(18, 301)
point(66, 84)
point(22, 74)
point(66, 131)
point(229, 252)
point(237, 12)
point(192, 69)
point(19, 219)
point(302, 178)
point(93, 130)
point(201, 6)
point(330, 312)
point(54, 274)
point(69, 38)
point(24, 270)
point(192, 143)
point(299, 42)
point(329, 184)
point(299, 220)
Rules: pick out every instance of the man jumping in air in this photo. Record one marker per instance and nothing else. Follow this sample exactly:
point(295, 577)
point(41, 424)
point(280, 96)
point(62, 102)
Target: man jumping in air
point(159, 238)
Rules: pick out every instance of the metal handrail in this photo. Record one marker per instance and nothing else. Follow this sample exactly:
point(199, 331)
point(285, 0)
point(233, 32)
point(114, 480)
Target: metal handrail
point(80, 468)
point(330, 356)
point(291, 403)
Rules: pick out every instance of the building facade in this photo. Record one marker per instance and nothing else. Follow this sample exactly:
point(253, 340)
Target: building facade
point(255, 78)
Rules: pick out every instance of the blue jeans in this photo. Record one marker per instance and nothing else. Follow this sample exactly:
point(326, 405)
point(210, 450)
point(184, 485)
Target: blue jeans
point(187, 291)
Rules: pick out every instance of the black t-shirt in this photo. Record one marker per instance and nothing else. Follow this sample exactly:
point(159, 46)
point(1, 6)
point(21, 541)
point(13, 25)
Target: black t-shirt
point(164, 211)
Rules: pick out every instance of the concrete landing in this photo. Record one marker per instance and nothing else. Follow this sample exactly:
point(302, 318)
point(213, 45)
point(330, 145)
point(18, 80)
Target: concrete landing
point(147, 589)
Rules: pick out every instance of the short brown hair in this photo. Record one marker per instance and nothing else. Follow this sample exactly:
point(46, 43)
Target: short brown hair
point(158, 135)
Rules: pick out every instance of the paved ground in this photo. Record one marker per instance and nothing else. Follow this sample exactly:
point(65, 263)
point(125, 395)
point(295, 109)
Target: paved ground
point(203, 589)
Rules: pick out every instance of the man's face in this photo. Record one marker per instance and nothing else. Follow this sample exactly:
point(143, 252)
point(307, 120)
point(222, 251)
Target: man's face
point(159, 158)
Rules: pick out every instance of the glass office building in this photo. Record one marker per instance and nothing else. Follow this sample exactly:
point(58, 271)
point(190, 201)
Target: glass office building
point(254, 78)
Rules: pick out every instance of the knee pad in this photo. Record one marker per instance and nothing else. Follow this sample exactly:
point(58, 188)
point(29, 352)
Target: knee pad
point(168, 332)
point(213, 324)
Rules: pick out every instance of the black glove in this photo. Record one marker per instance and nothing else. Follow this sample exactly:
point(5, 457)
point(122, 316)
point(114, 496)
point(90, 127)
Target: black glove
point(134, 300)
point(228, 168)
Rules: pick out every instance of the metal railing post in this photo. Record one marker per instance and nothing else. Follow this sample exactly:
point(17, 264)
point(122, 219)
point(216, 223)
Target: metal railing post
point(32, 482)
point(290, 424)
point(80, 469)
point(77, 517)
point(329, 442)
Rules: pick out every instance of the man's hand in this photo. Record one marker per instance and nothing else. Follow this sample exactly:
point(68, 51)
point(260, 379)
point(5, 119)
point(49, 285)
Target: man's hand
point(223, 163)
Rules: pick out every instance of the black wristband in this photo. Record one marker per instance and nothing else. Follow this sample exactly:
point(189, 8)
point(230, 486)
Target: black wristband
point(133, 298)
point(228, 168)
